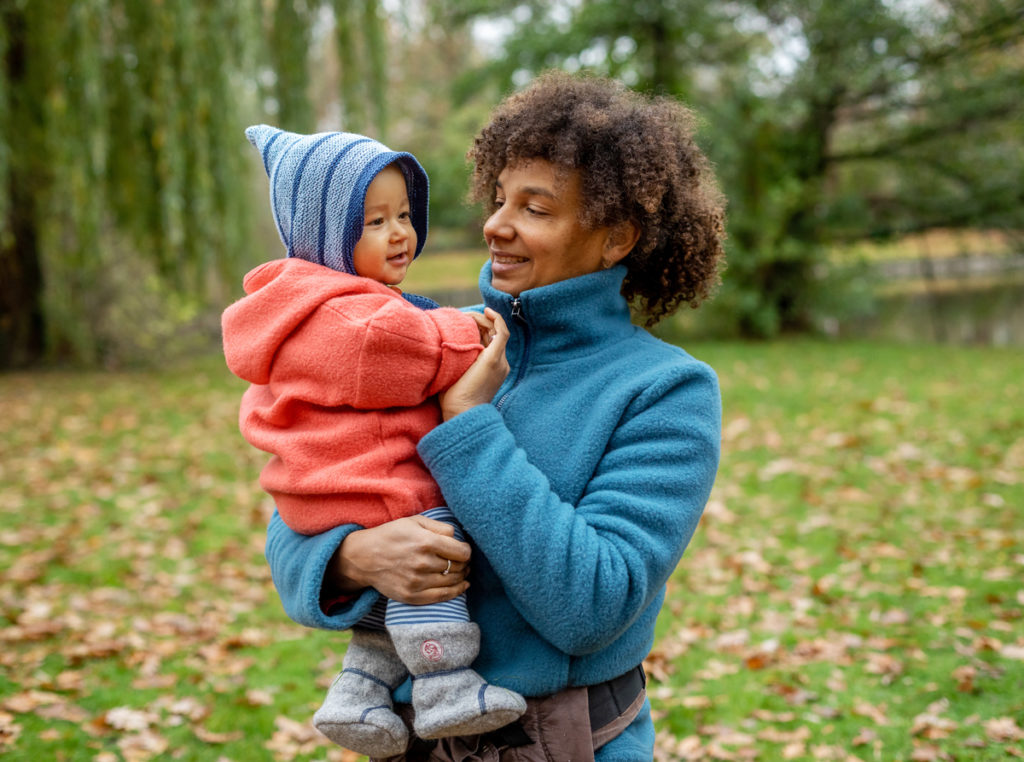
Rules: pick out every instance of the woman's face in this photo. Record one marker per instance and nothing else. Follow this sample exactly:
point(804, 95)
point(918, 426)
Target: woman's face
point(535, 236)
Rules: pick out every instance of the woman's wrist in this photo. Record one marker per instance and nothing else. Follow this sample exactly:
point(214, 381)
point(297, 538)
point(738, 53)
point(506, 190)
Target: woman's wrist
point(341, 577)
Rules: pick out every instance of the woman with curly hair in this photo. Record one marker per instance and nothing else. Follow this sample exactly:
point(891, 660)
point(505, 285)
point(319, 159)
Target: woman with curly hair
point(578, 455)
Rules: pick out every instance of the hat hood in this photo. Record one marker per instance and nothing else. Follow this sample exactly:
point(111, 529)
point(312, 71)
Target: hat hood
point(318, 185)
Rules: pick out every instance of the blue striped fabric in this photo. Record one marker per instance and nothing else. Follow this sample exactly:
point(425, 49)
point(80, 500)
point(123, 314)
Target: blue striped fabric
point(318, 185)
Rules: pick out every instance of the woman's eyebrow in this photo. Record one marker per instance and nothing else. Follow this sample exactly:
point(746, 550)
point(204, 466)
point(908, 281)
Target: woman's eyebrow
point(530, 190)
point(535, 190)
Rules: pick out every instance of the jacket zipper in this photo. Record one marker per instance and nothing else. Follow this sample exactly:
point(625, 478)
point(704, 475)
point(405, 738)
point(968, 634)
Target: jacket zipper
point(517, 315)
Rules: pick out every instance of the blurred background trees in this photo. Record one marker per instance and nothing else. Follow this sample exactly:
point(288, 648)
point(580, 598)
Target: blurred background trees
point(130, 204)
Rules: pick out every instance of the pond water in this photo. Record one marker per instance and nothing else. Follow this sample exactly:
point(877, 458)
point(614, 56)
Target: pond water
point(990, 315)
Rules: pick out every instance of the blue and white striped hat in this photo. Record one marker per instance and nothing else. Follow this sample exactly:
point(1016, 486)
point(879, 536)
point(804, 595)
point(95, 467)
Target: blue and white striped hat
point(318, 185)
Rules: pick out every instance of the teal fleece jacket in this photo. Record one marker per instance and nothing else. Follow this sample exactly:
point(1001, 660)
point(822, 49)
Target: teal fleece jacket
point(580, 487)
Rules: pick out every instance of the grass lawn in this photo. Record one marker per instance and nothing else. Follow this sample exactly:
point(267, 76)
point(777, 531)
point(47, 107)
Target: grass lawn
point(853, 592)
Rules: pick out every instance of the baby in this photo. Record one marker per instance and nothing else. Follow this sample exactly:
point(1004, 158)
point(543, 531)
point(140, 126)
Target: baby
point(344, 371)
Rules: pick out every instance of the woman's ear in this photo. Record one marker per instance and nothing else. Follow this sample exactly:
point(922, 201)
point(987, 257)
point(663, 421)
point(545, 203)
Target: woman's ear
point(622, 237)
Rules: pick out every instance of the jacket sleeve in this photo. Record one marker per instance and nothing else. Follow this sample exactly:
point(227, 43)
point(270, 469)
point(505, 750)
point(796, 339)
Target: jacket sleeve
point(298, 563)
point(581, 574)
point(371, 351)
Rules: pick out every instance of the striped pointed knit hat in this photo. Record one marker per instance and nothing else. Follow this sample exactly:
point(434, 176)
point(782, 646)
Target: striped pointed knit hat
point(318, 185)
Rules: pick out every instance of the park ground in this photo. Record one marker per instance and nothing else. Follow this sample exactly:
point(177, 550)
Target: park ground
point(853, 591)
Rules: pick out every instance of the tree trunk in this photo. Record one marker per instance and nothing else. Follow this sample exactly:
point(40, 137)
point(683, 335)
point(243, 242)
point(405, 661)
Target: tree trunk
point(22, 334)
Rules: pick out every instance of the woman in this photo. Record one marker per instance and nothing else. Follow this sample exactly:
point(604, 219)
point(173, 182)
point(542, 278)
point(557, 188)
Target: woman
point(578, 452)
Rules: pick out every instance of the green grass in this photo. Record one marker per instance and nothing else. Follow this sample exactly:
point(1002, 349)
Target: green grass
point(446, 271)
point(853, 592)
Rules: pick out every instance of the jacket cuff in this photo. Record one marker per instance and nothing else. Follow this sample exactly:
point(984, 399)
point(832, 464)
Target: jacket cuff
point(298, 564)
point(460, 345)
point(460, 432)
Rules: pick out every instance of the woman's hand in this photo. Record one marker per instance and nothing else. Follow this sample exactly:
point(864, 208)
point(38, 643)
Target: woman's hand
point(403, 559)
point(483, 378)
point(485, 326)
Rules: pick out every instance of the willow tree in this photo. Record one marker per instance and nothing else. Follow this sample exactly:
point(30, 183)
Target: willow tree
point(123, 170)
point(119, 165)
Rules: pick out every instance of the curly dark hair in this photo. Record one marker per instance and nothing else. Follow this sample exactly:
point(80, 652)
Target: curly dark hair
point(637, 161)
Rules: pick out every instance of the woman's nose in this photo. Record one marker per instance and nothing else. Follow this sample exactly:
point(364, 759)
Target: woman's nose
point(496, 227)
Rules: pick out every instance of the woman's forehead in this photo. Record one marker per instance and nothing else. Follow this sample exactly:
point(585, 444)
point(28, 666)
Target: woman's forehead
point(540, 176)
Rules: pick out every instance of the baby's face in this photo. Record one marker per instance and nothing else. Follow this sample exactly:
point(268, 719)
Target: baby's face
point(388, 244)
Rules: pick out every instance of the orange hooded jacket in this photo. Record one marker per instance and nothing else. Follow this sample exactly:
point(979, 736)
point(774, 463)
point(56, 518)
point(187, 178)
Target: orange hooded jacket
point(344, 374)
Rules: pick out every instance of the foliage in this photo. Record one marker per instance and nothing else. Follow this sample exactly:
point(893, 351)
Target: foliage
point(852, 592)
point(121, 126)
point(121, 135)
point(829, 122)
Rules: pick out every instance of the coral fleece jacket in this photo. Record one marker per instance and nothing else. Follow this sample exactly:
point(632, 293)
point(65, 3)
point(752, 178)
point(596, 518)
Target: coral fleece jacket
point(344, 374)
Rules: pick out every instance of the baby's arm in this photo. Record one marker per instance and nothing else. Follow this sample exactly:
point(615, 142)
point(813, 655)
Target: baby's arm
point(373, 352)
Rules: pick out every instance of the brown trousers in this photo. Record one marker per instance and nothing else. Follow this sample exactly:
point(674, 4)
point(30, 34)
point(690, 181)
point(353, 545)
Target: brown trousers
point(557, 726)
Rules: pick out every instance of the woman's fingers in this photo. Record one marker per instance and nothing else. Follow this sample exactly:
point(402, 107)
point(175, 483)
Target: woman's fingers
point(483, 378)
point(404, 559)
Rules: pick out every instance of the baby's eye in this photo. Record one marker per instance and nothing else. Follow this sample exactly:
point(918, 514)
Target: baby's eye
point(375, 221)
point(404, 216)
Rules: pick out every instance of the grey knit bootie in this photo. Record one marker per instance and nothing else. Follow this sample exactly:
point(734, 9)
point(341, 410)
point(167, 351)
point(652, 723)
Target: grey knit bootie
point(357, 712)
point(448, 697)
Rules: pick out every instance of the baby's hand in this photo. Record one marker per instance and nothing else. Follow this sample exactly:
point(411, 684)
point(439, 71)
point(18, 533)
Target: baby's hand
point(485, 324)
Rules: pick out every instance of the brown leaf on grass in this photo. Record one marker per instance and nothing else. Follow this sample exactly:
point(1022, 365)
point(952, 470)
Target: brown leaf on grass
point(257, 697)
point(658, 666)
point(794, 751)
point(964, 677)
point(765, 715)
point(70, 680)
point(929, 753)
point(930, 725)
point(63, 710)
point(885, 665)
point(1003, 730)
point(1012, 652)
point(28, 701)
point(668, 748)
point(293, 738)
point(126, 718)
point(774, 735)
point(9, 730)
point(697, 702)
point(864, 737)
point(794, 695)
point(155, 682)
point(873, 713)
point(143, 746)
point(30, 631)
point(98, 649)
point(209, 736)
point(248, 637)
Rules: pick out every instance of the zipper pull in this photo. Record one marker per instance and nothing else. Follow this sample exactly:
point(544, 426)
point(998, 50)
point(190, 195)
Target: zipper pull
point(517, 308)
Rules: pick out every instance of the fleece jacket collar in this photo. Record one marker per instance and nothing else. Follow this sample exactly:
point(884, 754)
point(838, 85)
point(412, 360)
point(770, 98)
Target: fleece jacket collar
point(573, 317)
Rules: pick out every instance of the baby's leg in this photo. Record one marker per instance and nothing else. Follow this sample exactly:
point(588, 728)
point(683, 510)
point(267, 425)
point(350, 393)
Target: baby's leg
point(358, 713)
point(438, 643)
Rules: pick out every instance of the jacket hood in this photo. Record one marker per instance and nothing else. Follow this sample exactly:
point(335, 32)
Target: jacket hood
point(280, 295)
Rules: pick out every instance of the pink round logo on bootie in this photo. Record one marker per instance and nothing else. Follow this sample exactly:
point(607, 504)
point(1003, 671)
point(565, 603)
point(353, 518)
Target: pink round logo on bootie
point(432, 650)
